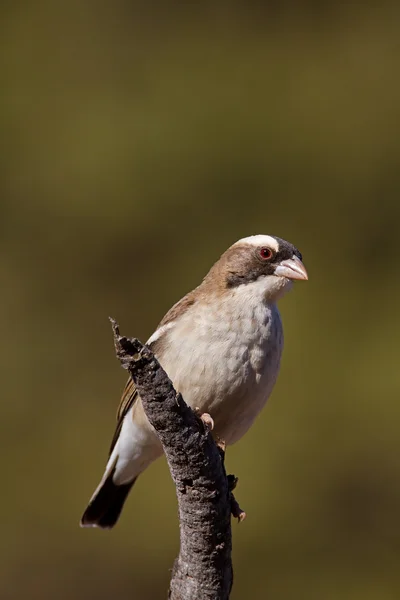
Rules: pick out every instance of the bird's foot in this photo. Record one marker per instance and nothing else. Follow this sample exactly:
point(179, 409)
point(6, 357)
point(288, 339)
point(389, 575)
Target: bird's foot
point(208, 421)
point(206, 418)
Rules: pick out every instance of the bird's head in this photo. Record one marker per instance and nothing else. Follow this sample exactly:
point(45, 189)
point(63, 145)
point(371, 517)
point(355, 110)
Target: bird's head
point(267, 264)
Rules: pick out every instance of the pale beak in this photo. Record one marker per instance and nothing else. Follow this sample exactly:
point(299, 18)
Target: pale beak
point(292, 268)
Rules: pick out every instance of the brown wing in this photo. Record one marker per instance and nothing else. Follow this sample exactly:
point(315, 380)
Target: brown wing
point(129, 396)
point(178, 310)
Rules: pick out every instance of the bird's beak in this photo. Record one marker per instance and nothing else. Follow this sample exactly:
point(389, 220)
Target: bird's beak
point(292, 268)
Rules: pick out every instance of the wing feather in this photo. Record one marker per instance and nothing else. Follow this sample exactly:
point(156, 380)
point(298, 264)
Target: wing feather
point(129, 397)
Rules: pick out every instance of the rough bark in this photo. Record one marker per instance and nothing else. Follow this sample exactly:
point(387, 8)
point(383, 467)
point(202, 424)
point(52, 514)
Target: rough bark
point(203, 569)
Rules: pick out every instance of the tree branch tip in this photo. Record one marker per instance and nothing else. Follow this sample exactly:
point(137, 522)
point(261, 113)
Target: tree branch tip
point(114, 325)
point(128, 350)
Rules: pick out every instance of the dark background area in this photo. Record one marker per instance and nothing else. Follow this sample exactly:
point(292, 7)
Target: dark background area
point(138, 142)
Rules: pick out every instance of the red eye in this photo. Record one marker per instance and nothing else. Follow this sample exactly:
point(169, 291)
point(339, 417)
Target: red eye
point(266, 253)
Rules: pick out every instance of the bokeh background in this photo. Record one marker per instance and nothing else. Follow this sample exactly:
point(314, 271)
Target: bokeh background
point(139, 140)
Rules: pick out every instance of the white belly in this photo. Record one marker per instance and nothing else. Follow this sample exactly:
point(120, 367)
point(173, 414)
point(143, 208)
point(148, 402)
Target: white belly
point(226, 366)
point(224, 359)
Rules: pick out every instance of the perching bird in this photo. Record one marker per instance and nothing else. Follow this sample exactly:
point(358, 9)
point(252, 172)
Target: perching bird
point(221, 346)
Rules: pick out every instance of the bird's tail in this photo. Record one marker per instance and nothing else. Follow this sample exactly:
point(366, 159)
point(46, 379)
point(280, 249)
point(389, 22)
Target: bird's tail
point(106, 504)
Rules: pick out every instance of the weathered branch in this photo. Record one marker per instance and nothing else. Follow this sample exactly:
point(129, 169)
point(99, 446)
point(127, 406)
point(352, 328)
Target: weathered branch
point(203, 569)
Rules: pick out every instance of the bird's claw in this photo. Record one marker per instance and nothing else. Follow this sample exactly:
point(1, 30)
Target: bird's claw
point(207, 419)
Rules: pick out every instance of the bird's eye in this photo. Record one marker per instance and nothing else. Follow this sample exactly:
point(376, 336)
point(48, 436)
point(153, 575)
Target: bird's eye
point(266, 253)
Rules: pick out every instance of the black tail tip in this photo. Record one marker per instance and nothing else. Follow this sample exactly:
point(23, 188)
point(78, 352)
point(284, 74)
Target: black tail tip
point(104, 509)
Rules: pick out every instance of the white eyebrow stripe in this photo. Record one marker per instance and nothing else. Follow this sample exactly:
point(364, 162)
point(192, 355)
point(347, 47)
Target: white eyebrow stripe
point(159, 332)
point(260, 240)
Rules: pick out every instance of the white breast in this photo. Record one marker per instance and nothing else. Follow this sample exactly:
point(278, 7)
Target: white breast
point(224, 358)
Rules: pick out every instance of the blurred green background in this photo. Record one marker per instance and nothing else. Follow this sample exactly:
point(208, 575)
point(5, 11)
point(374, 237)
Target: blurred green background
point(138, 142)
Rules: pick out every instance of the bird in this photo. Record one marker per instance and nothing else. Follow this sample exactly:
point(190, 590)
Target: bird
point(221, 346)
